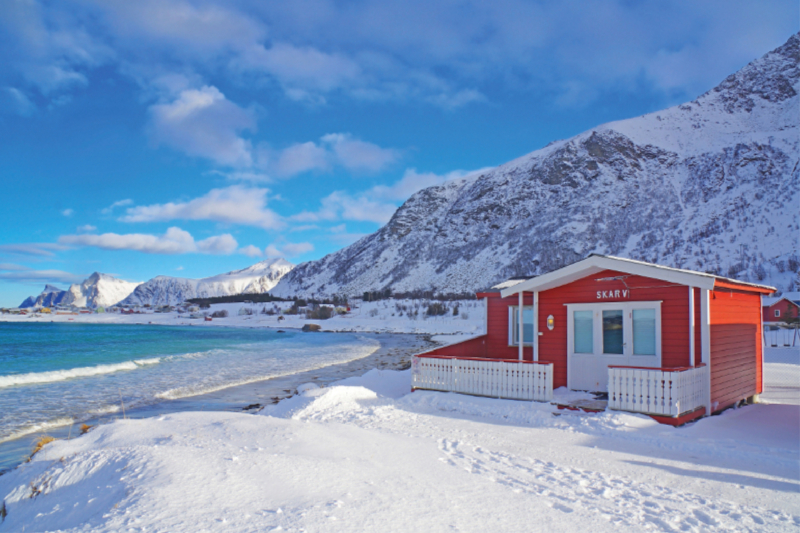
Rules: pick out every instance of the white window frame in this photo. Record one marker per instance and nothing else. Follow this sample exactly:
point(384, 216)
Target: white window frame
point(777, 313)
point(597, 328)
point(513, 313)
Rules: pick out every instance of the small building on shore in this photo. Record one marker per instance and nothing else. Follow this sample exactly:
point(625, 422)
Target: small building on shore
point(783, 309)
point(671, 343)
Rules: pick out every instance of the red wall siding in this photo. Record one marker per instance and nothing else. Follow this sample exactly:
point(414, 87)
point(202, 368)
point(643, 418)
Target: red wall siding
point(674, 316)
point(497, 346)
point(471, 348)
point(784, 307)
point(735, 346)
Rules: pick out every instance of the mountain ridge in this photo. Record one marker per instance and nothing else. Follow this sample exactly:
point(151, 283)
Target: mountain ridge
point(98, 290)
point(168, 290)
point(709, 185)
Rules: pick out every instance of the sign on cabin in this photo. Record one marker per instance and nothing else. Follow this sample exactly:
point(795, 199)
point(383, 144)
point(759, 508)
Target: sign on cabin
point(602, 295)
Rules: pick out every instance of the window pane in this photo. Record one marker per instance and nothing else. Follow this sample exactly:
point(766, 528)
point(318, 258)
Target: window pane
point(644, 332)
point(612, 331)
point(527, 325)
point(582, 327)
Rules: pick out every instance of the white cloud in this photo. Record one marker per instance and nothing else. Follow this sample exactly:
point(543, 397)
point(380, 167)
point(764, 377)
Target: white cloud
point(174, 241)
point(14, 101)
point(342, 236)
point(272, 252)
point(38, 276)
point(340, 205)
point(86, 228)
point(300, 158)
point(203, 123)
point(244, 175)
point(231, 205)
point(46, 50)
point(118, 203)
point(179, 268)
point(68, 212)
point(221, 244)
point(378, 203)
point(12, 266)
point(250, 251)
point(413, 181)
point(334, 149)
point(40, 249)
point(357, 155)
point(288, 249)
point(303, 72)
point(409, 50)
point(292, 249)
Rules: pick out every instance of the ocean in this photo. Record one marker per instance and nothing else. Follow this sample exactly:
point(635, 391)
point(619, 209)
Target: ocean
point(56, 375)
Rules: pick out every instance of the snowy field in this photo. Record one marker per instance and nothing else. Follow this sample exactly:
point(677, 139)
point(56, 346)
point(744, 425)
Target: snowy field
point(366, 455)
point(385, 316)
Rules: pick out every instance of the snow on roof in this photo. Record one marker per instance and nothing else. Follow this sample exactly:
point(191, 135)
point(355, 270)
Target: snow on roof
point(597, 262)
point(769, 301)
point(505, 284)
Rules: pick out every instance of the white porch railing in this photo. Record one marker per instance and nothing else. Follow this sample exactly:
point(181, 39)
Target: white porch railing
point(657, 391)
point(484, 377)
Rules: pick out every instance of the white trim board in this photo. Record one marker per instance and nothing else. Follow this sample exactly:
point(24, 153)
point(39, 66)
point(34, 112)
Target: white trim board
point(598, 263)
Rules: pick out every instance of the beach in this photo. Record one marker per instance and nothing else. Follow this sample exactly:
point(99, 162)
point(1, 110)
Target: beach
point(364, 454)
point(58, 402)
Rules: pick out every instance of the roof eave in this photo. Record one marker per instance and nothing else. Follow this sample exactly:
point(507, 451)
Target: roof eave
point(597, 263)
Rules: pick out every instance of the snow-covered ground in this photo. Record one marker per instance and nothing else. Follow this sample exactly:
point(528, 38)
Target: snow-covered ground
point(380, 317)
point(366, 455)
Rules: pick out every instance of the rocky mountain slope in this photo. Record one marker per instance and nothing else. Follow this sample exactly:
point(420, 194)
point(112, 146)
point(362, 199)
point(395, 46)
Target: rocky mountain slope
point(710, 185)
point(166, 290)
point(49, 297)
point(98, 290)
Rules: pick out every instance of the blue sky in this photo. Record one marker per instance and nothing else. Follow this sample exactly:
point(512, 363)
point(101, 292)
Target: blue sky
point(190, 138)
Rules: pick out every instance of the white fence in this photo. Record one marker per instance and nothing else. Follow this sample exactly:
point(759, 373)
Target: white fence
point(782, 337)
point(497, 379)
point(656, 392)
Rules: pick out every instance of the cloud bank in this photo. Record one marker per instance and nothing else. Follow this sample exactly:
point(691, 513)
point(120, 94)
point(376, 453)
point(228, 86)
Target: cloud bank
point(174, 241)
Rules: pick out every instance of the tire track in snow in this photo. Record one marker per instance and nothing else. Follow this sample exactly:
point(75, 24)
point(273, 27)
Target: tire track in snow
point(621, 501)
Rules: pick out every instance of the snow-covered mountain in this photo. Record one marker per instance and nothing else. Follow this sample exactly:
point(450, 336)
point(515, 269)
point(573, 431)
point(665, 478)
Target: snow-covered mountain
point(49, 297)
point(166, 290)
point(98, 290)
point(710, 185)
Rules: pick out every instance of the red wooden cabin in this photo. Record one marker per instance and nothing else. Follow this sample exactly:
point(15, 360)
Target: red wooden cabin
point(781, 310)
point(668, 342)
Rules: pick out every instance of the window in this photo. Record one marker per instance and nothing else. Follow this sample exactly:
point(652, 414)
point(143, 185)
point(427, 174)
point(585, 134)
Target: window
point(527, 325)
point(644, 331)
point(777, 313)
point(583, 326)
point(612, 331)
point(615, 330)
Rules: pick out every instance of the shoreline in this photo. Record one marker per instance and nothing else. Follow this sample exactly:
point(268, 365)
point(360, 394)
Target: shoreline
point(370, 317)
point(394, 353)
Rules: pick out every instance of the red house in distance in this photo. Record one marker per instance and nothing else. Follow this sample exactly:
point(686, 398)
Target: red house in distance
point(781, 310)
point(671, 343)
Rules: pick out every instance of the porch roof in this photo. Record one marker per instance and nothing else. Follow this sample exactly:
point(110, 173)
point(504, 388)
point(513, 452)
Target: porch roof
point(597, 263)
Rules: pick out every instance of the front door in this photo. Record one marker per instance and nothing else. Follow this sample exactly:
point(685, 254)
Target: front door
point(609, 334)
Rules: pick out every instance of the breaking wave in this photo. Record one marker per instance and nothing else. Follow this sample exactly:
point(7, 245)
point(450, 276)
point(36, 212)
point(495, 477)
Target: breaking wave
point(72, 373)
point(39, 428)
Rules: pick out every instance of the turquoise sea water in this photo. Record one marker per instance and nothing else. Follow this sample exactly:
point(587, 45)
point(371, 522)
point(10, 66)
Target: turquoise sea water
point(58, 374)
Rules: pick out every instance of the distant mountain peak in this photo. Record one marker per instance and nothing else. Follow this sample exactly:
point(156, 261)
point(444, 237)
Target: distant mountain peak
point(166, 290)
point(98, 290)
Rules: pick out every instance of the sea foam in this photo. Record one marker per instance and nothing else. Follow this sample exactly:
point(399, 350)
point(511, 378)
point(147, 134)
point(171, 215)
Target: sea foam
point(71, 373)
